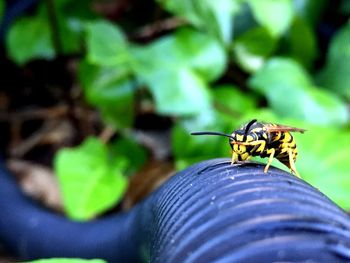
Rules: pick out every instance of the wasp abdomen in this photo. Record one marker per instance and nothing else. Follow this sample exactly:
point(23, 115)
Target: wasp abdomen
point(286, 149)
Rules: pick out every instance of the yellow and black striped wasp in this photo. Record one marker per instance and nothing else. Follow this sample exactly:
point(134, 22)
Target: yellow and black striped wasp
point(264, 140)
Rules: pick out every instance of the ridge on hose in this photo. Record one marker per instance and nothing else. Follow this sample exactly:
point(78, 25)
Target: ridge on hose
point(211, 211)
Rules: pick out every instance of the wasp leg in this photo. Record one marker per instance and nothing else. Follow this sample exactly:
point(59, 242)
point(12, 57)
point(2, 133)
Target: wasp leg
point(272, 153)
point(234, 158)
point(292, 164)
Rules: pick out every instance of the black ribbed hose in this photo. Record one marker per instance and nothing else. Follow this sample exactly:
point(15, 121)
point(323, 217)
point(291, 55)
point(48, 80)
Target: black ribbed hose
point(210, 212)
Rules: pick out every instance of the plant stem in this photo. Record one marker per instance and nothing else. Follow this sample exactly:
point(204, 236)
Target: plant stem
point(53, 22)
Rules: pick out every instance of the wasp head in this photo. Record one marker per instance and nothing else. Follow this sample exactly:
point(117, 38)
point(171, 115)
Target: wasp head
point(240, 138)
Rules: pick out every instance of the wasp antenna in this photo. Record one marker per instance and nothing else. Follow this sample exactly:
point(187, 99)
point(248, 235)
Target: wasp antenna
point(248, 127)
point(212, 133)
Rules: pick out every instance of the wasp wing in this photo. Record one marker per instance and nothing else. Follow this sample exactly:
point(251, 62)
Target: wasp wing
point(283, 128)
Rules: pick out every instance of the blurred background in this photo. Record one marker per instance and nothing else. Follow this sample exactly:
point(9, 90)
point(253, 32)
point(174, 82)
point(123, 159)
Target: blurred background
point(98, 98)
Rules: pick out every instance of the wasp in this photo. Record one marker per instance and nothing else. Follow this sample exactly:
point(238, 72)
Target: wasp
point(264, 140)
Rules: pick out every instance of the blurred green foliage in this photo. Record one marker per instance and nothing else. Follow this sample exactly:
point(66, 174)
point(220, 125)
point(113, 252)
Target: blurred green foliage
point(34, 34)
point(2, 8)
point(232, 60)
point(214, 17)
point(335, 75)
point(275, 16)
point(304, 101)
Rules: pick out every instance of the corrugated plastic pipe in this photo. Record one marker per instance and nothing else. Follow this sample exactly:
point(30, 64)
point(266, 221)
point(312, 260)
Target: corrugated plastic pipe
point(209, 212)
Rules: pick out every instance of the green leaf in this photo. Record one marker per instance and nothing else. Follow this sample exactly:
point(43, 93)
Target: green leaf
point(200, 52)
point(2, 9)
point(326, 165)
point(221, 12)
point(70, 21)
point(111, 89)
point(215, 17)
point(32, 37)
point(252, 48)
point(310, 10)
point(179, 92)
point(177, 68)
point(90, 181)
point(71, 34)
point(230, 99)
point(291, 93)
point(335, 75)
point(29, 38)
point(67, 260)
point(133, 152)
point(345, 7)
point(208, 118)
point(302, 42)
point(189, 149)
point(186, 47)
point(80, 10)
point(275, 15)
point(106, 44)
